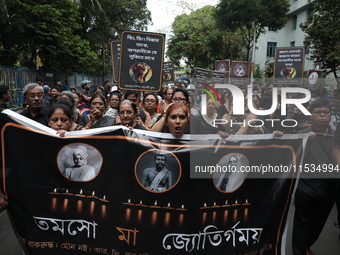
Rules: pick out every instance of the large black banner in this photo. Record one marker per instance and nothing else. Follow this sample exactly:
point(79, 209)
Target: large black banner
point(119, 191)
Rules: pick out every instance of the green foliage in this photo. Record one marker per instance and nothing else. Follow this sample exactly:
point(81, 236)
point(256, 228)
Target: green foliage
point(198, 40)
point(323, 33)
point(67, 35)
point(247, 15)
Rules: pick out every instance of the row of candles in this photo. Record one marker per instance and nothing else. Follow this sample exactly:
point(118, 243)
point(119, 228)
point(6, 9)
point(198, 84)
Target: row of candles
point(67, 193)
point(205, 206)
point(64, 196)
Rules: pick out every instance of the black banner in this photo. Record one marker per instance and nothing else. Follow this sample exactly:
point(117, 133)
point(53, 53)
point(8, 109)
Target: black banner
point(289, 65)
point(115, 54)
point(168, 72)
point(141, 61)
point(117, 203)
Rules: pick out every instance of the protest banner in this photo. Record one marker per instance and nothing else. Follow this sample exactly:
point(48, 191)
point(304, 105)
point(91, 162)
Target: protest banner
point(222, 65)
point(314, 79)
point(124, 207)
point(168, 72)
point(141, 61)
point(220, 77)
point(115, 55)
point(200, 76)
point(240, 74)
point(289, 65)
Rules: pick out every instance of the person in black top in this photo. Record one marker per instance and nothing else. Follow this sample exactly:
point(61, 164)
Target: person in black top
point(33, 96)
point(5, 96)
point(315, 194)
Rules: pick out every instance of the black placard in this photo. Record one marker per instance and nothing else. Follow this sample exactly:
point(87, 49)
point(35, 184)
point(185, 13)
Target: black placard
point(289, 65)
point(141, 61)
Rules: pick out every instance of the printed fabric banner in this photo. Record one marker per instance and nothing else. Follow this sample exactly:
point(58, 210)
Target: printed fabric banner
point(119, 191)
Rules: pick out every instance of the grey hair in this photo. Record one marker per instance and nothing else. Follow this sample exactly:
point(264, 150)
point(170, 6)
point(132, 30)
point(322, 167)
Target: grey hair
point(70, 95)
point(32, 86)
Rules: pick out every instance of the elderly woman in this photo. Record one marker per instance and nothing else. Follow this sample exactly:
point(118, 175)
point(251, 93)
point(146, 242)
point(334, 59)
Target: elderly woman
point(127, 112)
point(81, 171)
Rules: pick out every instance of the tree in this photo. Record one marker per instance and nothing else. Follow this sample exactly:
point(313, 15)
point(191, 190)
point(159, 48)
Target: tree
point(198, 40)
point(247, 15)
point(67, 35)
point(323, 35)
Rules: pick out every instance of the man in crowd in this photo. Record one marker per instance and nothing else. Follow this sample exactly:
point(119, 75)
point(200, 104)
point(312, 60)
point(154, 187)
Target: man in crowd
point(315, 194)
point(33, 96)
point(157, 178)
point(107, 87)
point(5, 96)
point(85, 93)
point(55, 94)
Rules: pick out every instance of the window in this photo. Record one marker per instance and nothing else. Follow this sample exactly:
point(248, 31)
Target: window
point(294, 22)
point(271, 49)
point(292, 44)
point(272, 29)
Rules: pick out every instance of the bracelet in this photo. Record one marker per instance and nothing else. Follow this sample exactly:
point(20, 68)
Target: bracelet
point(86, 127)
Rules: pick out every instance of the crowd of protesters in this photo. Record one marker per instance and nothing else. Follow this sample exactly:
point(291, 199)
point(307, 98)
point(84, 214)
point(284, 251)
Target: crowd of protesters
point(177, 109)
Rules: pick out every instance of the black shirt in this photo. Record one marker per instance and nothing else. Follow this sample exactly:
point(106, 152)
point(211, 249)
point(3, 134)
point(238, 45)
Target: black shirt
point(41, 116)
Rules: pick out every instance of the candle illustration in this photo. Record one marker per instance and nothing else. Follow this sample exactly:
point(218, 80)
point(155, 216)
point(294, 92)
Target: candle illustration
point(245, 214)
point(154, 216)
point(204, 206)
point(93, 195)
point(80, 193)
point(128, 202)
point(226, 204)
point(155, 205)
point(141, 204)
point(67, 193)
point(204, 217)
point(236, 203)
point(182, 208)
point(168, 207)
point(167, 219)
point(214, 217)
point(246, 203)
point(103, 199)
point(54, 203)
point(225, 216)
point(104, 211)
point(79, 206)
point(235, 215)
point(127, 214)
point(139, 215)
point(92, 206)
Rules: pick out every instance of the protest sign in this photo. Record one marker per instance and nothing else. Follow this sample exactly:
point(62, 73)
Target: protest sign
point(141, 61)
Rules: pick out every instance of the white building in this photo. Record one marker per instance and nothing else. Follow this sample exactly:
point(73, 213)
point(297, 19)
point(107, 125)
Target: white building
point(289, 36)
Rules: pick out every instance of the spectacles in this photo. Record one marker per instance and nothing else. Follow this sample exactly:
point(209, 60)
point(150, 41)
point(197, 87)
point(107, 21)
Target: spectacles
point(32, 96)
point(322, 112)
point(178, 99)
point(128, 112)
point(150, 101)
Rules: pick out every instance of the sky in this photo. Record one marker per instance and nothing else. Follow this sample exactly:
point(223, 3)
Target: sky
point(163, 13)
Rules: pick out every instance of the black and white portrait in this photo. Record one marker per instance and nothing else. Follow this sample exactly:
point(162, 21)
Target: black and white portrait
point(157, 170)
point(232, 176)
point(240, 70)
point(79, 162)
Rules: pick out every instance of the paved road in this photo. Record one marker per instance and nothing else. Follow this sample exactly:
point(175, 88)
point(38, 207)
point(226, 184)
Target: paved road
point(328, 243)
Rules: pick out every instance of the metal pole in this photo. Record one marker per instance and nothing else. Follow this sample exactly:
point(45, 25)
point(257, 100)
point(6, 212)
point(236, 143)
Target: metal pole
point(253, 58)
